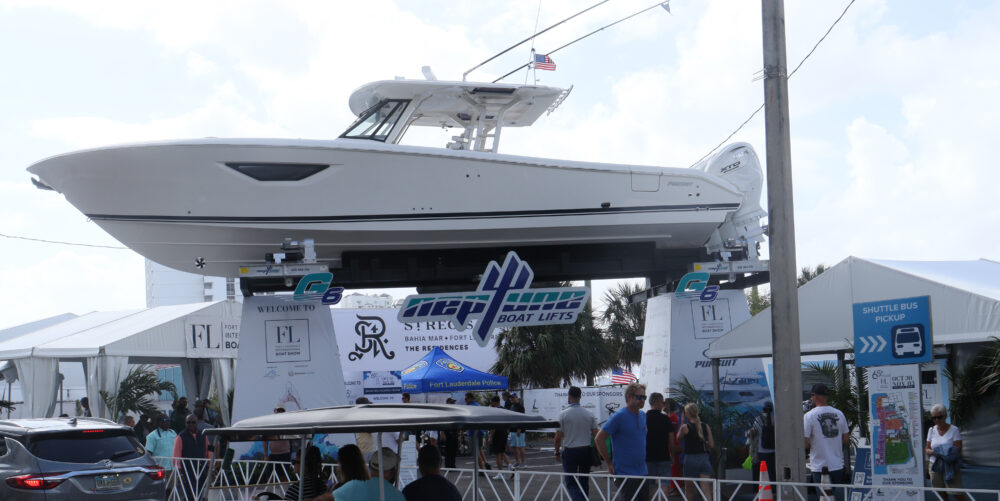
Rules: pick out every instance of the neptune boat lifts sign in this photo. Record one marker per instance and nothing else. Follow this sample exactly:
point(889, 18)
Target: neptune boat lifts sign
point(502, 300)
point(892, 332)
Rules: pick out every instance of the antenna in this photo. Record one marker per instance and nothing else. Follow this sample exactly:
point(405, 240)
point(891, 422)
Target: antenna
point(508, 49)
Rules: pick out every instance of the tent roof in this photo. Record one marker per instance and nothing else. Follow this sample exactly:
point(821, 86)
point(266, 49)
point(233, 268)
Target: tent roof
point(381, 417)
point(20, 330)
point(438, 371)
point(152, 332)
point(965, 304)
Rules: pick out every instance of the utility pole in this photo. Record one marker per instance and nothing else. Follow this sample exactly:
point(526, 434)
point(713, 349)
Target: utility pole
point(790, 454)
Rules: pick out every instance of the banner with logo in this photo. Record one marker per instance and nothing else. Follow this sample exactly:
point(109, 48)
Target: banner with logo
point(374, 340)
point(602, 402)
point(677, 334)
point(503, 299)
point(288, 356)
point(211, 336)
point(897, 441)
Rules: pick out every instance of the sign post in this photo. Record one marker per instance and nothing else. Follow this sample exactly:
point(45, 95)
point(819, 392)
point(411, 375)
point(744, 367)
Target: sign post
point(892, 338)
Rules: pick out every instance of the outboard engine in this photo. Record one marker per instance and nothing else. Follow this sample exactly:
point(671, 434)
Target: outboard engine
point(741, 232)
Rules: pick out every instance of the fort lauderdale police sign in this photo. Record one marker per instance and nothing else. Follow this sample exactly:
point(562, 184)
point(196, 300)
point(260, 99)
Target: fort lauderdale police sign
point(502, 300)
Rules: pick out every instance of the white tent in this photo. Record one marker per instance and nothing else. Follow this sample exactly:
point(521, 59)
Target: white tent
point(106, 343)
point(965, 309)
point(965, 305)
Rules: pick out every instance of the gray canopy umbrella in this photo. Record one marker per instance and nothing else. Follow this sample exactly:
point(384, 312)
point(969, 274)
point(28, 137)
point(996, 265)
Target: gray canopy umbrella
point(381, 418)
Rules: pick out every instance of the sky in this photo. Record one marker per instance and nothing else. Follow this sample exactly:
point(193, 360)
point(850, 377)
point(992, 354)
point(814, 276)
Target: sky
point(891, 116)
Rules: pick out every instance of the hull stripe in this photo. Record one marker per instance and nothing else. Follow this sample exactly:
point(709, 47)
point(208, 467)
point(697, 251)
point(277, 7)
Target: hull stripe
point(417, 217)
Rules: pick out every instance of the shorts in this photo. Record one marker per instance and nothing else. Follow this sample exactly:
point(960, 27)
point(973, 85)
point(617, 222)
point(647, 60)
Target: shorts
point(937, 480)
point(499, 443)
point(658, 468)
point(696, 465)
point(517, 439)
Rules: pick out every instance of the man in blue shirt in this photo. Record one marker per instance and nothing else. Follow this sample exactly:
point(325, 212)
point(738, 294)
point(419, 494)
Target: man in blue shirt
point(627, 429)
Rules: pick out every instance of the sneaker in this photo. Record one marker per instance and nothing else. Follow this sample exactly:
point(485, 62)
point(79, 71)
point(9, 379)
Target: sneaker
point(498, 477)
point(511, 467)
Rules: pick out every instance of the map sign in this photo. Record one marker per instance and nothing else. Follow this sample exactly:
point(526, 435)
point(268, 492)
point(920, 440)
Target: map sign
point(896, 433)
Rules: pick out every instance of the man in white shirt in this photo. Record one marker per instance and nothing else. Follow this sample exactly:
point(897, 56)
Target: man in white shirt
point(826, 434)
point(577, 427)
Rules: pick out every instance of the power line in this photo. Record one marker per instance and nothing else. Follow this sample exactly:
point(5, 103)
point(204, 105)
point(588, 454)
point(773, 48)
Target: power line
point(761, 107)
point(62, 243)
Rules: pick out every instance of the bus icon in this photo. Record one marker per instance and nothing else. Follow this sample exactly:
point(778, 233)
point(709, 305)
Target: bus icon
point(908, 341)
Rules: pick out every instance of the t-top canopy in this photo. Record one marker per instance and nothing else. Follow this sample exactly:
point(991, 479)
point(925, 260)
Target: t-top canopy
point(381, 417)
point(456, 104)
point(439, 372)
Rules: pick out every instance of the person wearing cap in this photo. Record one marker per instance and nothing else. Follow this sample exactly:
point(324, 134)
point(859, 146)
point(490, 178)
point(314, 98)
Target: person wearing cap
point(826, 434)
point(160, 442)
point(431, 486)
point(761, 438)
point(367, 490)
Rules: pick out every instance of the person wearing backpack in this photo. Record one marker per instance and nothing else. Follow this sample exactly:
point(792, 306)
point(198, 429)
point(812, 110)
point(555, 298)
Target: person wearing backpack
point(762, 440)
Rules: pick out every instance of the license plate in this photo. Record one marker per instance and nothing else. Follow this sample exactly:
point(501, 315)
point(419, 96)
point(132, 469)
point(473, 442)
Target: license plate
point(108, 482)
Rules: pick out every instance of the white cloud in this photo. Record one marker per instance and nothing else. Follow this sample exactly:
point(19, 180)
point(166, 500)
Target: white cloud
point(71, 281)
point(198, 64)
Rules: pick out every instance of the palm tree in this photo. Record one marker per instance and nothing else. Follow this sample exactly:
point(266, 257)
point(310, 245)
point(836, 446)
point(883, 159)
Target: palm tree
point(624, 322)
point(989, 361)
point(758, 302)
point(969, 384)
point(810, 273)
point(545, 356)
point(135, 393)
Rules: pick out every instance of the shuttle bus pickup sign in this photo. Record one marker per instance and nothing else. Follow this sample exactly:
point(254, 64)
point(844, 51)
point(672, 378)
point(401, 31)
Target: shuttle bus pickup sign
point(892, 332)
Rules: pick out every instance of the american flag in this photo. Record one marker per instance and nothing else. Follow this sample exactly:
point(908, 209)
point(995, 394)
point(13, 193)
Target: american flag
point(544, 62)
point(621, 376)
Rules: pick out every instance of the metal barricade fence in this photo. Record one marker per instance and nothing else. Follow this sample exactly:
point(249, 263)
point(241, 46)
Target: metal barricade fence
point(201, 479)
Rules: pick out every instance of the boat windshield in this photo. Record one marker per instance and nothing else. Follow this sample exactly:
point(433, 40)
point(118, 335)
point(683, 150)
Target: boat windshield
point(378, 121)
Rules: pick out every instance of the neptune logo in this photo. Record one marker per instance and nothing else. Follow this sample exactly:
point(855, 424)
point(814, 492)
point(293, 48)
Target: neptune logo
point(502, 300)
point(695, 285)
point(316, 286)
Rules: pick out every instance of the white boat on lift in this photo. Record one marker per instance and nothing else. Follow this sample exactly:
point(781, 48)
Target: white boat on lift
point(212, 205)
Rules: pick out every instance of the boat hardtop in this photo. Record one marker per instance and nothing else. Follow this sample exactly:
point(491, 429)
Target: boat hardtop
point(386, 108)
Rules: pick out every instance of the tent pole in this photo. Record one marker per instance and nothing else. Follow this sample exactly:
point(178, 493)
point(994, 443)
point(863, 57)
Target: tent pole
point(381, 475)
point(715, 401)
point(302, 466)
point(474, 436)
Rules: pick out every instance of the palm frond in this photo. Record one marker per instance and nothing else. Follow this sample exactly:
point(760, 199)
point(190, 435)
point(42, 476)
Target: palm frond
point(136, 393)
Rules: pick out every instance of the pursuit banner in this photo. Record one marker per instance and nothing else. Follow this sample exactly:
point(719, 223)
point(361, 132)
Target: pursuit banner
point(288, 357)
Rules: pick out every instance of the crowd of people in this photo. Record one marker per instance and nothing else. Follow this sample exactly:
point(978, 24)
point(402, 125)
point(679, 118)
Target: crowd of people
point(666, 442)
point(669, 442)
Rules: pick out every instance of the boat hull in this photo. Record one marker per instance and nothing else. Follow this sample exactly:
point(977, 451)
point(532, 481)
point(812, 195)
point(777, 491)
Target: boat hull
point(182, 202)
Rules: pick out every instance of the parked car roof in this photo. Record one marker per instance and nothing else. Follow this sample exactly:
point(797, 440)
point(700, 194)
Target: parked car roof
point(56, 424)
